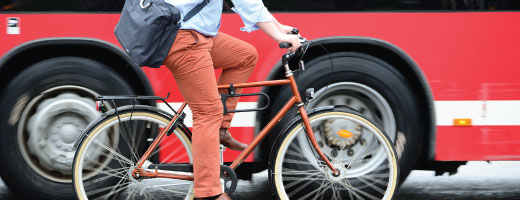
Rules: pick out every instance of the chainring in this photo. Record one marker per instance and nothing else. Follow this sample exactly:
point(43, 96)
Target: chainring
point(230, 179)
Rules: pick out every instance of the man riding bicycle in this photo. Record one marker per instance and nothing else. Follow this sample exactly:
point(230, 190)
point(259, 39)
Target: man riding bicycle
point(200, 48)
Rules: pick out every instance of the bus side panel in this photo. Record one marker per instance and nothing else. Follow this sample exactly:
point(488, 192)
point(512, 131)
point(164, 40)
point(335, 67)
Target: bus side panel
point(467, 57)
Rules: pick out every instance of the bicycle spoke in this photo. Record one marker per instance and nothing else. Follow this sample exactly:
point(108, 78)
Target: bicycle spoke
point(336, 192)
point(108, 175)
point(288, 171)
point(292, 161)
point(174, 152)
point(383, 175)
point(127, 139)
point(117, 186)
point(110, 154)
point(360, 157)
point(371, 185)
point(118, 155)
point(360, 191)
point(130, 195)
point(148, 196)
point(294, 153)
point(364, 175)
point(288, 186)
point(137, 141)
point(320, 193)
point(374, 180)
point(172, 191)
point(316, 191)
point(109, 169)
point(160, 147)
point(351, 192)
point(296, 180)
point(103, 189)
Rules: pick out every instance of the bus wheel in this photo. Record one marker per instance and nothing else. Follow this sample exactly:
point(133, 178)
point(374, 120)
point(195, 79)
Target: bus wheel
point(371, 87)
point(44, 109)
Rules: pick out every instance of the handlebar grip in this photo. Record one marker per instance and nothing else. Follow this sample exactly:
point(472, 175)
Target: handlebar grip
point(285, 45)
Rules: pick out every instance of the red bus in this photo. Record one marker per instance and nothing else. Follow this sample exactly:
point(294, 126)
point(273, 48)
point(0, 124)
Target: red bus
point(441, 77)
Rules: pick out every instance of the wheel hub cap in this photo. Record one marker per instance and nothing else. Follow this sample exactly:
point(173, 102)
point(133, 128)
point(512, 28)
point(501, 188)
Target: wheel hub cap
point(54, 128)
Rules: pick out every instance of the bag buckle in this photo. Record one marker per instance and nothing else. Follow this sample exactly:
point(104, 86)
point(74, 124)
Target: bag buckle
point(144, 6)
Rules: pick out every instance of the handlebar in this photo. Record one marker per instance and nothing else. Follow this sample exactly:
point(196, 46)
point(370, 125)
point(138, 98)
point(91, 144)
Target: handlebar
point(285, 45)
point(294, 31)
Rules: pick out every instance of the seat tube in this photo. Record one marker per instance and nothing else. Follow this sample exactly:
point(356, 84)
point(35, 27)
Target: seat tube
point(159, 137)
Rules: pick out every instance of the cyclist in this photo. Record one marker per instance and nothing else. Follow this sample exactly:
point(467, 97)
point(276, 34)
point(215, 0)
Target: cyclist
point(200, 48)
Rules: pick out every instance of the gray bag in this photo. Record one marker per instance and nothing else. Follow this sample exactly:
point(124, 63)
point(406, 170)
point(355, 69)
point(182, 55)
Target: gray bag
point(147, 29)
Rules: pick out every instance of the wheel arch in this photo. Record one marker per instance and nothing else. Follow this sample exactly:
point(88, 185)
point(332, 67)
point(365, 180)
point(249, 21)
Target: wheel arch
point(381, 49)
point(26, 54)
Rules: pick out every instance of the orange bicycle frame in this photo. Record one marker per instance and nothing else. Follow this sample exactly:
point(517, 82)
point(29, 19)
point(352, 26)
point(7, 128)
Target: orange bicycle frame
point(294, 100)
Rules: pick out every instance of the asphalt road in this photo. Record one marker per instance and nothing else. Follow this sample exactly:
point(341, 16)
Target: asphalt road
point(477, 180)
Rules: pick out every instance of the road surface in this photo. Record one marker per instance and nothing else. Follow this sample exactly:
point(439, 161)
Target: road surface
point(476, 180)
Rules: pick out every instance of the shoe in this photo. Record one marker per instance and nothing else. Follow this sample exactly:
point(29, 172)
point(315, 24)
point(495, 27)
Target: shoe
point(228, 141)
point(224, 196)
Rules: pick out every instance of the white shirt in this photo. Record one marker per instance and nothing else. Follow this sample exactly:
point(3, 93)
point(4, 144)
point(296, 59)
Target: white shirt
point(207, 21)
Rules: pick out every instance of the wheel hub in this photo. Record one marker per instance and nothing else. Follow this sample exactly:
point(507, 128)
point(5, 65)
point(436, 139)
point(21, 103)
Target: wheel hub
point(54, 128)
point(133, 175)
point(342, 173)
point(332, 129)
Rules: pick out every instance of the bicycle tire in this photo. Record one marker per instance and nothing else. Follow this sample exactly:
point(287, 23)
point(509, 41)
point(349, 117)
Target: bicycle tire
point(368, 171)
point(109, 149)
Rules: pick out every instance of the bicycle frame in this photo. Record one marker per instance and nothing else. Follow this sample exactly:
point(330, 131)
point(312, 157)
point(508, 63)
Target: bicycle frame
point(294, 100)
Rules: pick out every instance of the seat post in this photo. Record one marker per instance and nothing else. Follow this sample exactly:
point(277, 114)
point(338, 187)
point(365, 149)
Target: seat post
point(222, 149)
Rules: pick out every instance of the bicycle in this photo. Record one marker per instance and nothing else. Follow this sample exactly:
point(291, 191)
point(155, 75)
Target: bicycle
point(112, 162)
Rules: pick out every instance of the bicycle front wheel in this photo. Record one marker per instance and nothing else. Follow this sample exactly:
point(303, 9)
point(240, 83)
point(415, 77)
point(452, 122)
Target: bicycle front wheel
point(111, 147)
point(356, 147)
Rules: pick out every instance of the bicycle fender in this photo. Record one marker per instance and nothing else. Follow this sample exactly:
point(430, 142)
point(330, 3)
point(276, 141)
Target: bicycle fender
point(112, 112)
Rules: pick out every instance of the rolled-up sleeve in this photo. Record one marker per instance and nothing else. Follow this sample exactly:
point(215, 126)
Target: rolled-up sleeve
point(251, 12)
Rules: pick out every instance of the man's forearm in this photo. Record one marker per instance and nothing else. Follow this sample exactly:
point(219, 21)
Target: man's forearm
point(278, 25)
point(271, 29)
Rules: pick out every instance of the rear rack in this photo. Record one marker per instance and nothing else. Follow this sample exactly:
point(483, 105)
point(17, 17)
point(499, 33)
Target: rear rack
point(134, 98)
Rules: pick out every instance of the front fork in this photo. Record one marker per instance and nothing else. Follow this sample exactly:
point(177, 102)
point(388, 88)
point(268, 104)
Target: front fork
point(305, 119)
point(310, 135)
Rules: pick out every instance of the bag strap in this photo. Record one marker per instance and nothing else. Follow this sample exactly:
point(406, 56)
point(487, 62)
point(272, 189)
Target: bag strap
point(195, 10)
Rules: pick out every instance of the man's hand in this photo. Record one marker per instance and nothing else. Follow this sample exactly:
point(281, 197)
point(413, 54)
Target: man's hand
point(294, 40)
point(272, 30)
point(285, 29)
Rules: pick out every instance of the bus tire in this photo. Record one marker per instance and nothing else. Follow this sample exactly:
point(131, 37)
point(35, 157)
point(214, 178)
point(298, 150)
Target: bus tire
point(44, 109)
point(370, 86)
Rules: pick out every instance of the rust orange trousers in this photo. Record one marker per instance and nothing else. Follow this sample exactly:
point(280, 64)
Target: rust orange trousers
point(192, 60)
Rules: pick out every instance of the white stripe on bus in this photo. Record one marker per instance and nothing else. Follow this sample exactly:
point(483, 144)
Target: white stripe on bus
point(482, 113)
point(241, 119)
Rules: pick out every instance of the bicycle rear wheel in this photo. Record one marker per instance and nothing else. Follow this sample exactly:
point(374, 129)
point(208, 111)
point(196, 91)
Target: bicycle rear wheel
point(357, 148)
point(111, 148)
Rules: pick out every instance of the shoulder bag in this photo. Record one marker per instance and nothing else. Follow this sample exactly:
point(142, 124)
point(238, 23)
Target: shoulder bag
point(147, 29)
